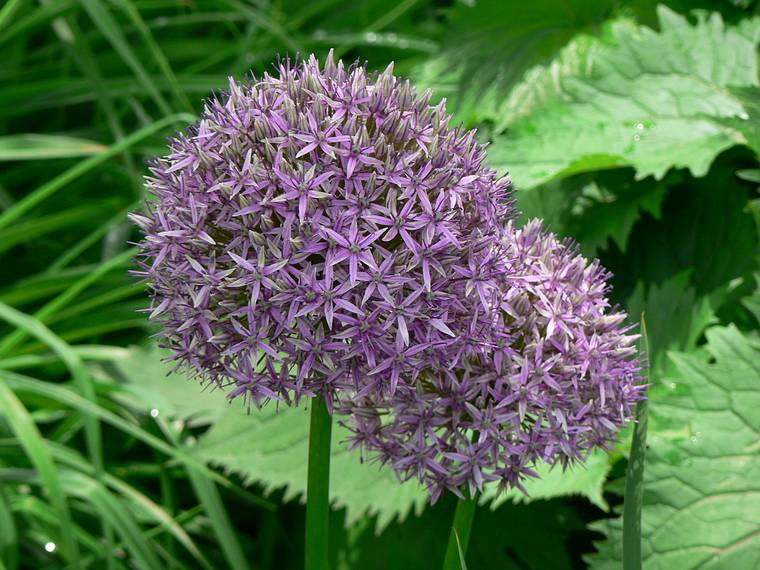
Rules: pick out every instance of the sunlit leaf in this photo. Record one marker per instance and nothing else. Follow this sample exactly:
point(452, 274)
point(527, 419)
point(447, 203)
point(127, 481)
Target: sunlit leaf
point(702, 492)
point(636, 97)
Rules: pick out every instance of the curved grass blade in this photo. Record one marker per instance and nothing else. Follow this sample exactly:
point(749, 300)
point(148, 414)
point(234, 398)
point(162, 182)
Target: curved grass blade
point(634, 481)
point(73, 362)
point(90, 239)
point(82, 381)
point(263, 20)
point(37, 18)
point(68, 457)
point(70, 398)
point(9, 536)
point(26, 230)
point(462, 563)
point(156, 52)
point(42, 146)
point(83, 167)
point(88, 352)
point(459, 538)
point(209, 497)
point(112, 31)
point(8, 11)
point(26, 431)
point(33, 507)
point(117, 515)
point(13, 339)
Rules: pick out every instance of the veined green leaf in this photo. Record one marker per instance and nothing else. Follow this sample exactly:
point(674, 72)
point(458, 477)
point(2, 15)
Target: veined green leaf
point(586, 480)
point(270, 446)
point(490, 44)
point(702, 492)
point(636, 97)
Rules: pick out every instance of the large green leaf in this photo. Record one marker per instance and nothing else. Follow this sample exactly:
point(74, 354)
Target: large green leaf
point(702, 492)
point(584, 480)
point(611, 212)
point(675, 316)
point(633, 97)
point(490, 44)
point(147, 380)
point(269, 447)
point(593, 210)
point(705, 228)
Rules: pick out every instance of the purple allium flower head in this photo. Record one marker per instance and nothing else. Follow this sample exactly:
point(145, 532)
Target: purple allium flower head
point(545, 371)
point(308, 235)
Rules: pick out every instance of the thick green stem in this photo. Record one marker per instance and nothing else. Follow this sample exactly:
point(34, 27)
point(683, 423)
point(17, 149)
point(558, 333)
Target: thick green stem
point(318, 490)
point(460, 533)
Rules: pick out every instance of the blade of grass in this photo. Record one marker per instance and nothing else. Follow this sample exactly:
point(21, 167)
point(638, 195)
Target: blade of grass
point(183, 517)
point(155, 50)
point(89, 332)
point(106, 298)
point(115, 512)
point(462, 563)
point(42, 146)
point(63, 299)
point(112, 31)
point(70, 458)
point(634, 480)
point(33, 507)
point(55, 93)
point(9, 536)
point(388, 18)
point(36, 287)
point(8, 11)
point(67, 397)
point(36, 19)
point(82, 381)
point(90, 352)
point(259, 18)
point(90, 239)
point(85, 166)
point(27, 230)
point(31, 440)
point(87, 62)
point(76, 367)
point(208, 495)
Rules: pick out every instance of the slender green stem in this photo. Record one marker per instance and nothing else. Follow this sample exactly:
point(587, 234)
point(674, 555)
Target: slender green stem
point(460, 533)
point(318, 490)
point(634, 480)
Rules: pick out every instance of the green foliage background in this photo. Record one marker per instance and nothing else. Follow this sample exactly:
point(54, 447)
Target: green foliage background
point(631, 127)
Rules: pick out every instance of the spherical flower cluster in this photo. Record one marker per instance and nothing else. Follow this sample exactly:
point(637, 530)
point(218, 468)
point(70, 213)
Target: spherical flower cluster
point(324, 231)
point(560, 376)
point(308, 235)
